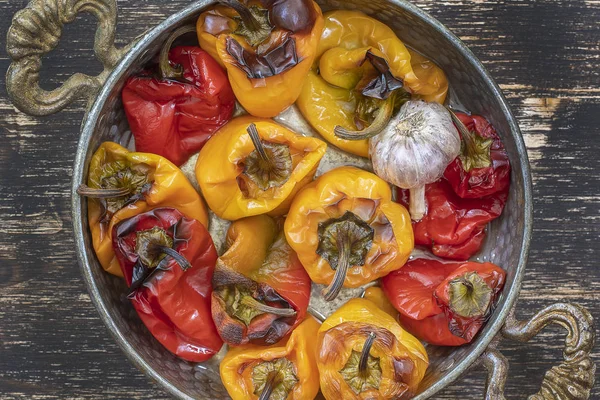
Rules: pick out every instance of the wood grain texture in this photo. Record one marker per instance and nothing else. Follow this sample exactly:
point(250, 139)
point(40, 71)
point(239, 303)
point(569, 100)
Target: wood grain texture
point(545, 55)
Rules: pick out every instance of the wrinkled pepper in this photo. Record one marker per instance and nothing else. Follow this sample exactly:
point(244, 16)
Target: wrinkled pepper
point(347, 231)
point(361, 66)
point(363, 353)
point(444, 303)
point(168, 262)
point(286, 370)
point(122, 184)
point(261, 292)
point(175, 113)
point(254, 166)
point(267, 47)
point(483, 168)
point(454, 227)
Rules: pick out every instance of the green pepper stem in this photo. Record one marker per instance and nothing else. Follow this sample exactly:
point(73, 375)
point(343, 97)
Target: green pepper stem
point(166, 70)
point(343, 245)
point(96, 193)
point(467, 136)
point(260, 149)
point(364, 355)
point(379, 123)
point(184, 264)
point(417, 205)
point(249, 21)
point(257, 305)
point(274, 378)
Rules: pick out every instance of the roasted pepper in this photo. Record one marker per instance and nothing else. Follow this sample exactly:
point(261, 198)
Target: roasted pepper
point(347, 231)
point(261, 291)
point(255, 166)
point(361, 67)
point(267, 47)
point(286, 370)
point(444, 303)
point(482, 169)
point(174, 114)
point(122, 184)
point(453, 227)
point(363, 353)
point(168, 261)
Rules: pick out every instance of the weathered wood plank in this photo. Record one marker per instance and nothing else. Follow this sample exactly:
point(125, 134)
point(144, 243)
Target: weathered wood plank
point(544, 54)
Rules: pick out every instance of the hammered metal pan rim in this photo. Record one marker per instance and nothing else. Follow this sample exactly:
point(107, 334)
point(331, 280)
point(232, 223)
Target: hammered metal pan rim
point(88, 126)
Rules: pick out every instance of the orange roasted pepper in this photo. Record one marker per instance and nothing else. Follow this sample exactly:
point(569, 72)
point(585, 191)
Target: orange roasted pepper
point(346, 229)
point(363, 353)
point(359, 63)
point(288, 368)
point(266, 46)
point(238, 182)
point(122, 184)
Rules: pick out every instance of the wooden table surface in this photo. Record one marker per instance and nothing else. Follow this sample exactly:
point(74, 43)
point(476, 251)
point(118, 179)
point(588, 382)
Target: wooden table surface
point(543, 53)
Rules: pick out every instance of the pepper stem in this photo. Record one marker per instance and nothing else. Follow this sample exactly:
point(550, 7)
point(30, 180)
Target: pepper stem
point(245, 14)
point(184, 264)
point(260, 149)
point(343, 245)
point(249, 301)
point(84, 190)
point(273, 379)
point(417, 206)
point(364, 355)
point(165, 68)
point(476, 150)
point(379, 123)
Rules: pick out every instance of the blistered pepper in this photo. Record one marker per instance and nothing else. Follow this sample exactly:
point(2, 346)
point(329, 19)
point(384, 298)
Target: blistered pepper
point(444, 303)
point(454, 227)
point(267, 47)
point(168, 262)
point(363, 353)
point(122, 184)
point(361, 66)
point(483, 168)
point(175, 113)
point(261, 291)
point(347, 231)
point(255, 166)
point(286, 370)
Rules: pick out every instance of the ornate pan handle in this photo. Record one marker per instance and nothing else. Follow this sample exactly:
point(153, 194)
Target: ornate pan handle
point(35, 31)
point(574, 378)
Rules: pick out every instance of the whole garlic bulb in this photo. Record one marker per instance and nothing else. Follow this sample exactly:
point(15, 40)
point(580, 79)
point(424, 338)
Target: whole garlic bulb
point(414, 149)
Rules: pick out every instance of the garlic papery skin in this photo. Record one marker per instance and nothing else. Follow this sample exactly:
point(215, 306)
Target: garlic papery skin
point(415, 149)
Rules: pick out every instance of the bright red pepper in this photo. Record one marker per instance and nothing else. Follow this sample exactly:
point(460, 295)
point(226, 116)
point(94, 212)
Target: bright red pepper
point(445, 304)
point(175, 118)
point(453, 227)
point(482, 168)
point(168, 261)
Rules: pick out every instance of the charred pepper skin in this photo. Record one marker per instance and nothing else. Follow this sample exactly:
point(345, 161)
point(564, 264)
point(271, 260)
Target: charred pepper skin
point(266, 73)
point(175, 118)
point(166, 186)
point(173, 303)
point(430, 297)
point(299, 348)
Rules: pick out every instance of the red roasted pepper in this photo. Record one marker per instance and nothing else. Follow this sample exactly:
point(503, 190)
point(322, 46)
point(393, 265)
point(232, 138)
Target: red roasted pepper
point(482, 168)
point(168, 262)
point(445, 304)
point(174, 115)
point(454, 227)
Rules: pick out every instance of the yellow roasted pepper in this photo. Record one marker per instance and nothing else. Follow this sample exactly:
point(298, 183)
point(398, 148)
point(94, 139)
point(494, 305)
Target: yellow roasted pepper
point(255, 166)
point(266, 47)
point(287, 369)
point(346, 229)
point(122, 184)
point(360, 64)
point(363, 353)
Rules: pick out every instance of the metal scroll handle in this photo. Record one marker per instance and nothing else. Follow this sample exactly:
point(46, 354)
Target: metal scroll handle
point(573, 379)
point(35, 31)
